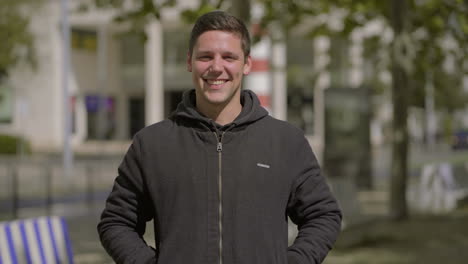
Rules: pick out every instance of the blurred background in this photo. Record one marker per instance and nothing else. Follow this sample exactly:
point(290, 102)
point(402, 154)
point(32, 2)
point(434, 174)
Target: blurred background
point(380, 89)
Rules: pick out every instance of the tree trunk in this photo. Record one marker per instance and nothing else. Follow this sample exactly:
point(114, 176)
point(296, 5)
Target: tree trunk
point(399, 173)
point(364, 177)
point(241, 9)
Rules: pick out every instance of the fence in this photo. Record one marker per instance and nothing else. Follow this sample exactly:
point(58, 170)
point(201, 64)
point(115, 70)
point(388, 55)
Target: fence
point(40, 182)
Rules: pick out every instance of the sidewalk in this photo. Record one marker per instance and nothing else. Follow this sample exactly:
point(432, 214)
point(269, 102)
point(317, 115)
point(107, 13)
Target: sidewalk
point(85, 240)
point(82, 217)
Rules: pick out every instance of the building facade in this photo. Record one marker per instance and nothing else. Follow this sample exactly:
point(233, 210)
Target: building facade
point(119, 83)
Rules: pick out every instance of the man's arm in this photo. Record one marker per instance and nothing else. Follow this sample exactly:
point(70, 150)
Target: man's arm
point(124, 218)
point(313, 209)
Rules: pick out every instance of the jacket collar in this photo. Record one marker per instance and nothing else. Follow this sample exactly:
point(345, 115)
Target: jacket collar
point(251, 112)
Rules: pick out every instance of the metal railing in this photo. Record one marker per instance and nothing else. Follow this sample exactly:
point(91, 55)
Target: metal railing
point(41, 183)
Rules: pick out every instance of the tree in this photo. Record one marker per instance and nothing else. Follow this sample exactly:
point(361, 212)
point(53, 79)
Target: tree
point(418, 28)
point(17, 43)
point(410, 54)
point(415, 24)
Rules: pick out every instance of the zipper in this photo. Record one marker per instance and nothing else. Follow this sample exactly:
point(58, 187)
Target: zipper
point(219, 149)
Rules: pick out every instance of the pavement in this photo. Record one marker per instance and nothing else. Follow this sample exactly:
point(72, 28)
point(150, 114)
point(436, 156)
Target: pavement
point(83, 234)
point(82, 213)
point(81, 219)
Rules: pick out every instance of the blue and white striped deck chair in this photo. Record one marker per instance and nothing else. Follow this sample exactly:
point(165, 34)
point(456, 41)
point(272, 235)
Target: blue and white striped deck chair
point(41, 240)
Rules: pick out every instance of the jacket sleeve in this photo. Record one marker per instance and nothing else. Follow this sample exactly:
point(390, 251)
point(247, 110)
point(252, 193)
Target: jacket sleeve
point(126, 212)
point(313, 209)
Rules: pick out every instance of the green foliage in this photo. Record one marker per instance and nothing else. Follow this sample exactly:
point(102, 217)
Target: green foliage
point(10, 144)
point(190, 15)
point(141, 12)
point(17, 42)
point(109, 3)
point(420, 47)
point(417, 53)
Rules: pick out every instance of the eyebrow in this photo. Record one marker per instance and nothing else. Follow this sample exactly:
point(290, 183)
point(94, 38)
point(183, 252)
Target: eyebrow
point(235, 55)
point(226, 53)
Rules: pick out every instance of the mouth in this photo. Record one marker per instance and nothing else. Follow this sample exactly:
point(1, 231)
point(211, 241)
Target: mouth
point(215, 81)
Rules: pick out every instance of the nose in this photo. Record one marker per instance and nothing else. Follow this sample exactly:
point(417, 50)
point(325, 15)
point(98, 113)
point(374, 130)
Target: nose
point(217, 65)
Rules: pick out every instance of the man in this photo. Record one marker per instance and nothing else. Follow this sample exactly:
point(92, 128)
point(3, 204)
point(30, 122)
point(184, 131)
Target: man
point(220, 176)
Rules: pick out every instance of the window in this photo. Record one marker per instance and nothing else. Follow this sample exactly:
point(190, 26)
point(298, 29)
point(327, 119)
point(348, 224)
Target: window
point(82, 39)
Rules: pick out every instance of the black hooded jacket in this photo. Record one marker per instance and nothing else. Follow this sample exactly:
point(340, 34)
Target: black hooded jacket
point(220, 194)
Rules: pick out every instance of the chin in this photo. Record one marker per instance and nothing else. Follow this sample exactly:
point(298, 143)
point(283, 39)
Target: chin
point(216, 100)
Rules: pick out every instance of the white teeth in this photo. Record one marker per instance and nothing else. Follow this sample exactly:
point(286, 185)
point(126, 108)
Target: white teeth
point(215, 82)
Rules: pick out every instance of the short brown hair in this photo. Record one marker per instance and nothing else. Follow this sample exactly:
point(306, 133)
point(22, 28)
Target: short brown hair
point(222, 21)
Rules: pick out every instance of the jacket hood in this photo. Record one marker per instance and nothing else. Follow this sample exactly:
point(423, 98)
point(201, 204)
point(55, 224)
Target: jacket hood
point(251, 110)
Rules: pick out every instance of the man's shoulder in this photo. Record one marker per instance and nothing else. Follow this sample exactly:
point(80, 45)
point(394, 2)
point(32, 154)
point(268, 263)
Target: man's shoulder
point(284, 134)
point(164, 124)
point(282, 126)
point(156, 129)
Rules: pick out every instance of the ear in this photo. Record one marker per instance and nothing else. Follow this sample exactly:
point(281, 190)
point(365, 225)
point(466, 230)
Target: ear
point(189, 62)
point(247, 65)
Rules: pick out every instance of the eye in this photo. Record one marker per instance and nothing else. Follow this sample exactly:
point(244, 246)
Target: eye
point(204, 57)
point(230, 58)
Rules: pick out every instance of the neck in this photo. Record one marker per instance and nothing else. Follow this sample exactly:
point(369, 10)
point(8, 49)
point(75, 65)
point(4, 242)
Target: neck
point(221, 114)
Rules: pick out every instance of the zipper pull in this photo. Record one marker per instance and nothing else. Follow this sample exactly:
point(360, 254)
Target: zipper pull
point(219, 148)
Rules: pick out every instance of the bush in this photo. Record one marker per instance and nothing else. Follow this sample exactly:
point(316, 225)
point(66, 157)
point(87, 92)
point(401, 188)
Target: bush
point(12, 144)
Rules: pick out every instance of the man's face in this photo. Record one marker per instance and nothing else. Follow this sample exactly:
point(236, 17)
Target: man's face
point(218, 64)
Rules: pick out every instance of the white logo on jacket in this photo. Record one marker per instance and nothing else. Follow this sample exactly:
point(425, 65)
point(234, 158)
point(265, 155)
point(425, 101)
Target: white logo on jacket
point(266, 166)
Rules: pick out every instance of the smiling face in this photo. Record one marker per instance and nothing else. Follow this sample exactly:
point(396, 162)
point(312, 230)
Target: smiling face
point(218, 64)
